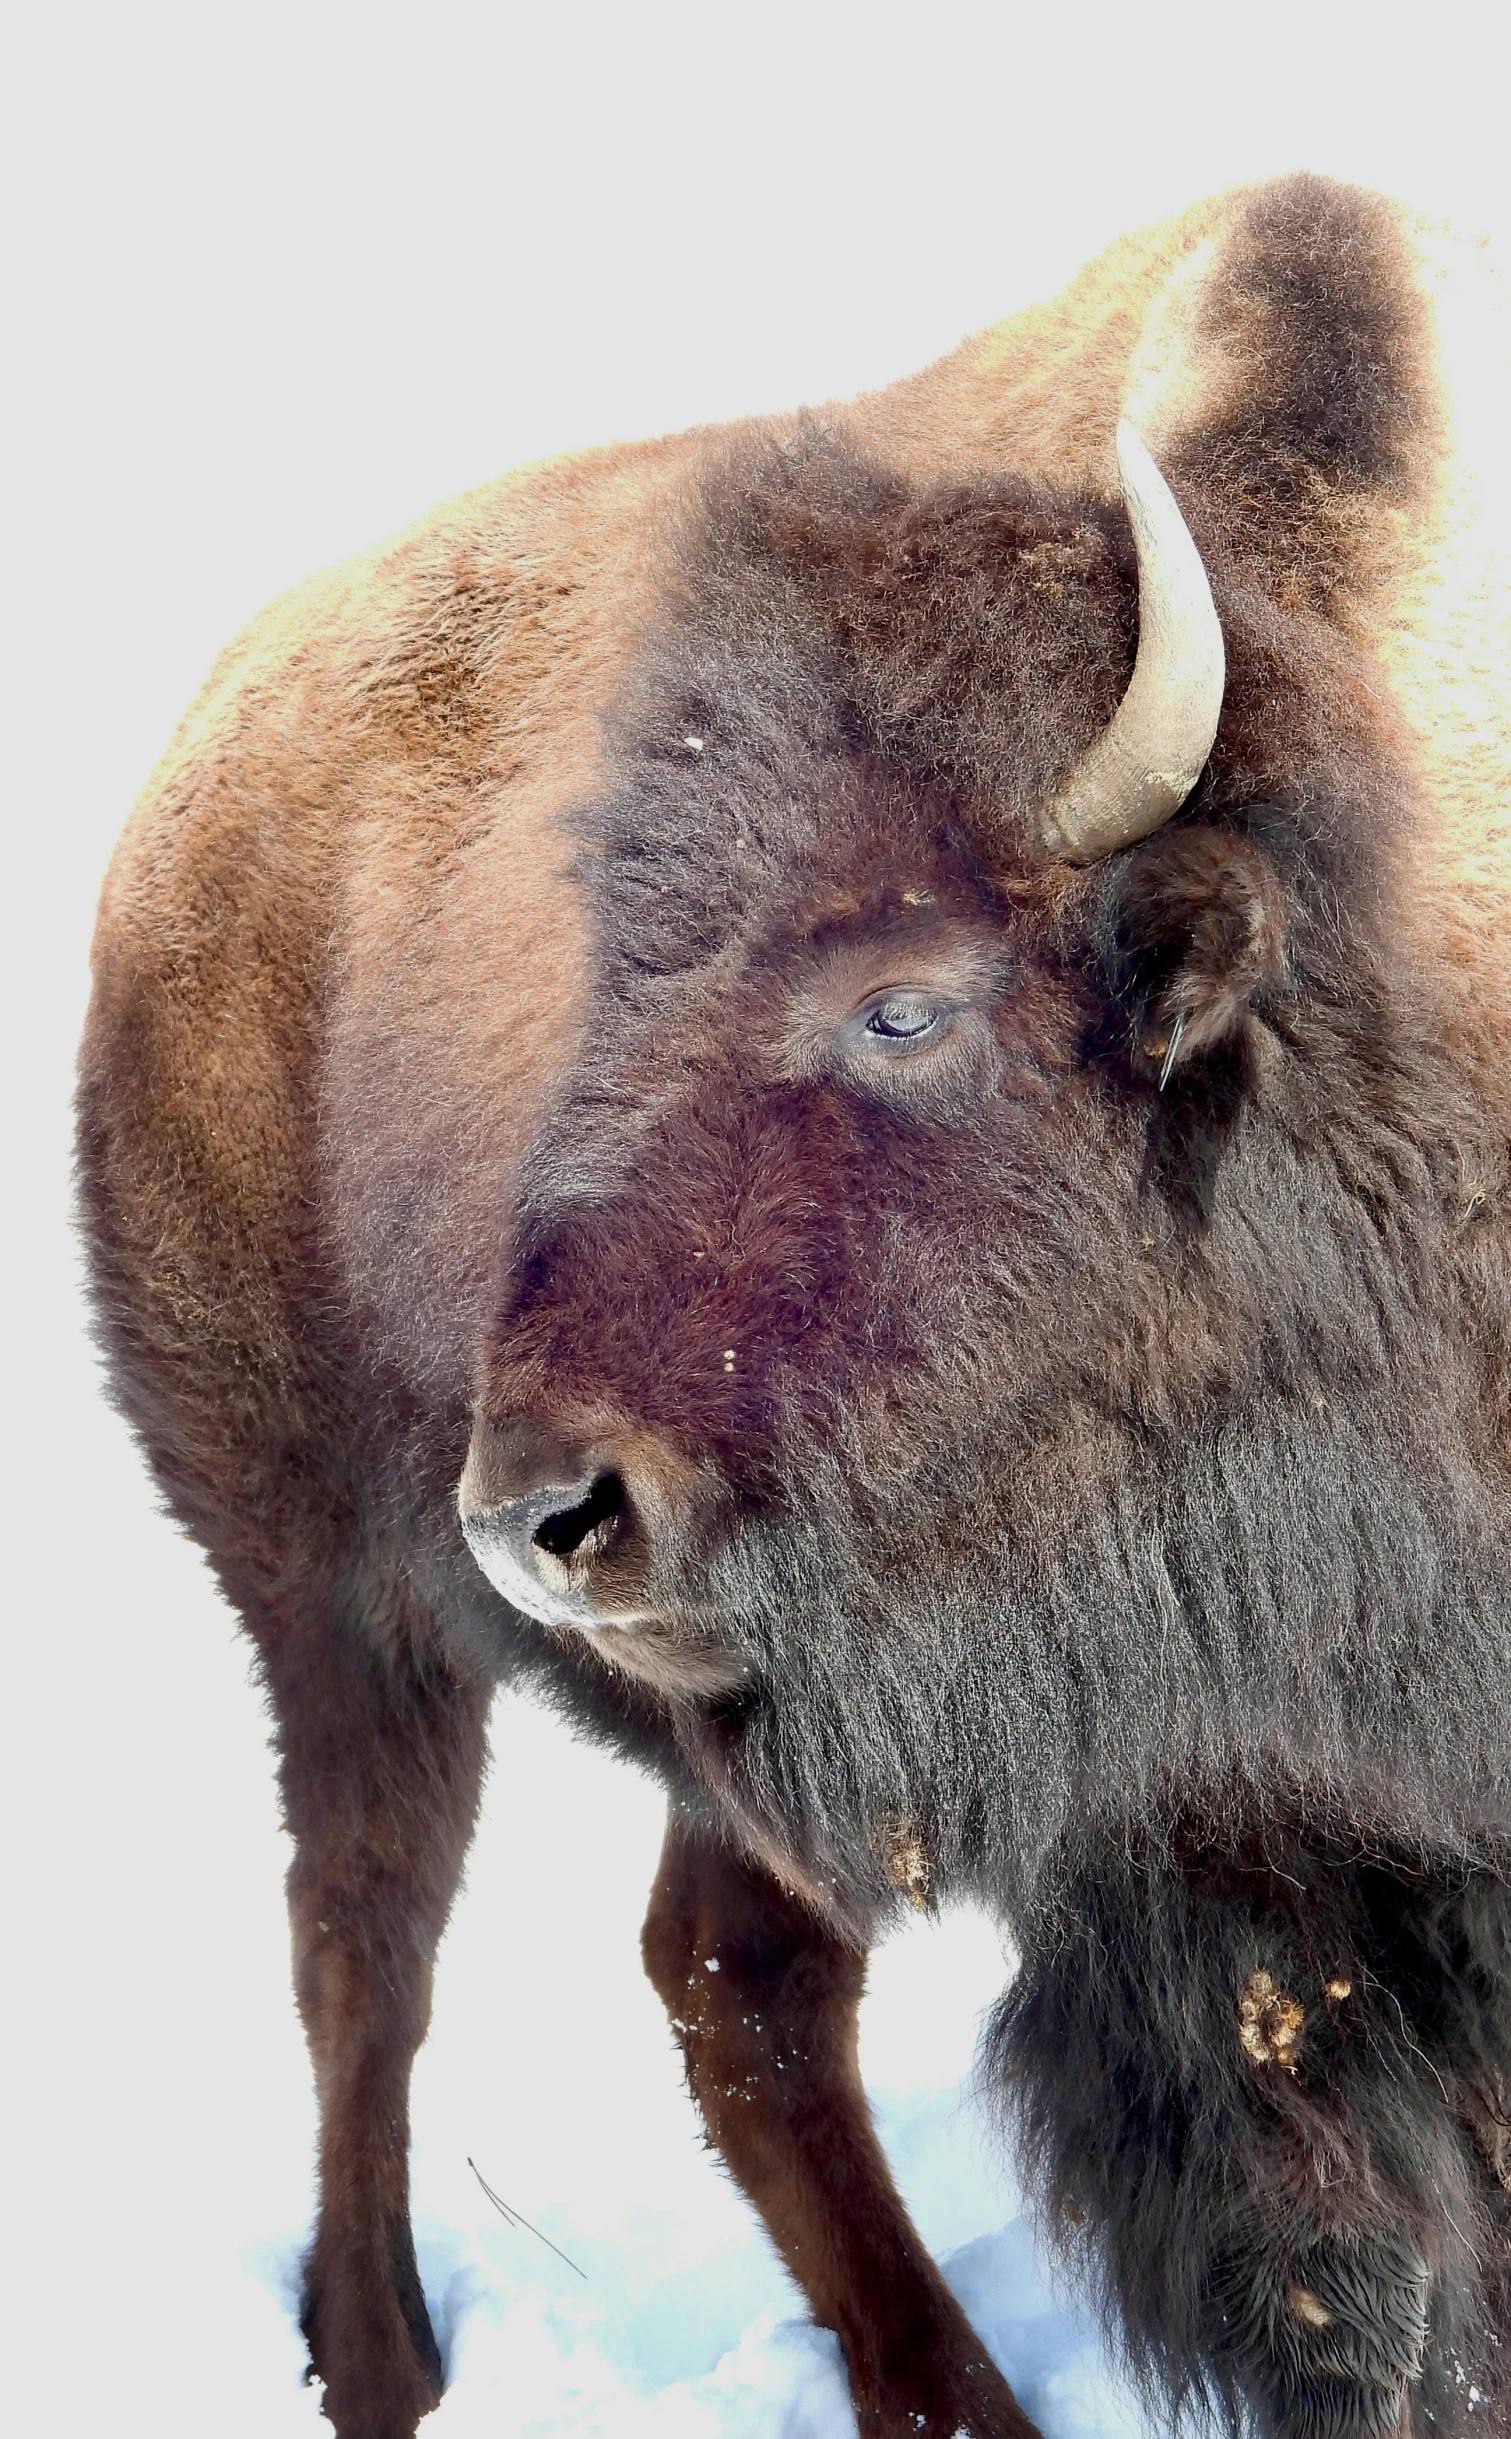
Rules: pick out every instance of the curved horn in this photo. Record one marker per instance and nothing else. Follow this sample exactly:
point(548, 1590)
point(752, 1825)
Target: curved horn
point(1145, 763)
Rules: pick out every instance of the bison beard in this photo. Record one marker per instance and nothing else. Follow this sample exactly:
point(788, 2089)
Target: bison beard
point(996, 1373)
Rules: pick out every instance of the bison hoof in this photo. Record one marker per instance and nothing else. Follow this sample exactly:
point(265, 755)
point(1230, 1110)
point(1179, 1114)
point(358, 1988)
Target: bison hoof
point(381, 2396)
point(377, 2357)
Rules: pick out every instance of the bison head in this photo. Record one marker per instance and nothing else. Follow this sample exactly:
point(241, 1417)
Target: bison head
point(976, 1336)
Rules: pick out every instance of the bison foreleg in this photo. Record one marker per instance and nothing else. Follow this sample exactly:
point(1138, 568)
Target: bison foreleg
point(763, 2000)
point(381, 1767)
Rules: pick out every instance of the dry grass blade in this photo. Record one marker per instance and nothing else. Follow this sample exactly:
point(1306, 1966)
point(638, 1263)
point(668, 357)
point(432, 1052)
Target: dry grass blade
point(516, 2219)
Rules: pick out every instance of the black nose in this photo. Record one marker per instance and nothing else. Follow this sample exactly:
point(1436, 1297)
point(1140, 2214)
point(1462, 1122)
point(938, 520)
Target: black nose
point(574, 1522)
point(556, 1530)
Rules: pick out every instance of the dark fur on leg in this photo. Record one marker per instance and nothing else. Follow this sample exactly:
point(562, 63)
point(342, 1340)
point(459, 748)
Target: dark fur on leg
point(763, 1999)
point(381, 1766)
point(1257, 2079)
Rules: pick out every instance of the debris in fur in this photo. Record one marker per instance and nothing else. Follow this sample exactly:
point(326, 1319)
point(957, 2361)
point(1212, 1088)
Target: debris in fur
point(1269, 2022)
point(1308, 2307)
point(908, 1862)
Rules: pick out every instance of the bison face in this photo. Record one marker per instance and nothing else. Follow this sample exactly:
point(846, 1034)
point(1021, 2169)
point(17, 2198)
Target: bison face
point(801, 1202)
point(841, 1234)
point(970, 1333)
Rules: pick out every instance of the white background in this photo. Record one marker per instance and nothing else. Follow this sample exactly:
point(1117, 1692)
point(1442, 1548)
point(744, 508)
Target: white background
point(279, 279)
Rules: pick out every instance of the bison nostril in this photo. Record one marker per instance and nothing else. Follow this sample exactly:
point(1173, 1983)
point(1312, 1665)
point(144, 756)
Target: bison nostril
point(557, 1526)
point(564, 1531)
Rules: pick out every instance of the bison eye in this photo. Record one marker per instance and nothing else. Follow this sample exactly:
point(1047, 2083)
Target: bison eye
point(905, 1017)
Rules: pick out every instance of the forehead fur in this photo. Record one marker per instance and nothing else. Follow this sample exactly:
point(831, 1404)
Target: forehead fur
point(969, 637)
point(824, 620)
point(861, 693)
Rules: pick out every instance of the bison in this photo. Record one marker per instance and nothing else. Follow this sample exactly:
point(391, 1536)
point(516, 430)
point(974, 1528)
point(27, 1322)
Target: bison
point(840, 1092)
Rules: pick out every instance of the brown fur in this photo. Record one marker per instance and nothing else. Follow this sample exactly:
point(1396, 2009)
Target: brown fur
point(344, 969)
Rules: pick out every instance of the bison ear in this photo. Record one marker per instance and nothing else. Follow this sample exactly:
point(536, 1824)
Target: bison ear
point(1195, 937)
